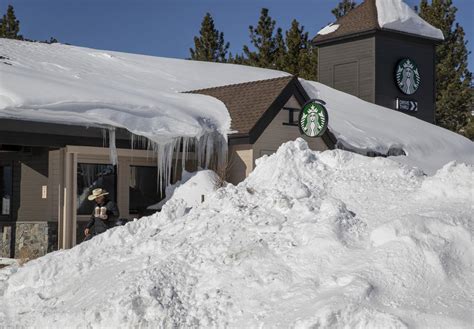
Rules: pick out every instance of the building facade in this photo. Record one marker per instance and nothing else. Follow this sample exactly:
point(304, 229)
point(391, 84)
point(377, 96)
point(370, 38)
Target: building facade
point(47, 170)
point(361, 58)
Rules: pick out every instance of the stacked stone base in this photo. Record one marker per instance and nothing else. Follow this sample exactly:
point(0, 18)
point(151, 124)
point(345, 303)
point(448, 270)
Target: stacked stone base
point(28, 240)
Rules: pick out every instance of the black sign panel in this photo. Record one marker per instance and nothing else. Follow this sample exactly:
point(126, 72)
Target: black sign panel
point(407, 105)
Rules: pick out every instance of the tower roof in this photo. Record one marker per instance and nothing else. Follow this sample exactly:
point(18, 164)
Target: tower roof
point(378, 15)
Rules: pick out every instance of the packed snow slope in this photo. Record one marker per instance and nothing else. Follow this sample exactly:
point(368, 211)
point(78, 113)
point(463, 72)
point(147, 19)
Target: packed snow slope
point(365, 127)
point(75, 85)
point(309, 240)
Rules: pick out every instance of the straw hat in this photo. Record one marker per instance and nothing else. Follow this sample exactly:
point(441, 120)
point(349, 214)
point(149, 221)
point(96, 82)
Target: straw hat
point(97, 193)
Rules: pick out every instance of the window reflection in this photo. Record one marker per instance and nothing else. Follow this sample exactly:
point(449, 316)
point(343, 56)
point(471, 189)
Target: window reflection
point(143, 189)
point(89, 177)
point(6, 184)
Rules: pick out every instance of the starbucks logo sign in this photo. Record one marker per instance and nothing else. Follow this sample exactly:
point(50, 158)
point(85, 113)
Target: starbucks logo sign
point(313, 119)
point(407, 76)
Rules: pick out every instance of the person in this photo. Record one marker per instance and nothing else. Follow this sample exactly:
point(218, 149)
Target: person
point(103, 216)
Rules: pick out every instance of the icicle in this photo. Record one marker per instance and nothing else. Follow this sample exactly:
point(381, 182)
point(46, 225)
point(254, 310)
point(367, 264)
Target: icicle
point(210, 150)
point(112, 147)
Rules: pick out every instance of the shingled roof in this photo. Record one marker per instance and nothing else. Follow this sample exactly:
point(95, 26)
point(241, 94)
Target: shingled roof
point(253, 105)
point(249, 102)
point(364, 19)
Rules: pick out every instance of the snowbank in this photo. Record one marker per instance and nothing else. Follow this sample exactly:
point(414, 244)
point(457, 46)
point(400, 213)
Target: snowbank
point(310, 239)
point(397, 15)
point(365, 127)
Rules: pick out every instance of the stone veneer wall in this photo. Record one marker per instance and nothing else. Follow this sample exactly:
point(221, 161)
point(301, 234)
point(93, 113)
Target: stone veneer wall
point(5, 241)
point(35, 239)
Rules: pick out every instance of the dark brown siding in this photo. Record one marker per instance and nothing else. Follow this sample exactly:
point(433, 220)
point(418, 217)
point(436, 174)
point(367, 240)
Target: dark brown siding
point(390, 49)
point(349, 67)
point(30, 173)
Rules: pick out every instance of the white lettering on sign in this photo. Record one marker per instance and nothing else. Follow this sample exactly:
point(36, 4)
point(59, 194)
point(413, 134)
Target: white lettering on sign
point(405, 105)
point(44, 191)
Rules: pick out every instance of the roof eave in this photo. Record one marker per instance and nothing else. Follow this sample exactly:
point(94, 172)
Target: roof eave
point(343, 37)
point(371, 32)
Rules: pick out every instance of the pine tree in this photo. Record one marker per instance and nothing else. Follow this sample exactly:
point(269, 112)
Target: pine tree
point(453, 95)
point(308, 64)
point(9, 25)
point(343, 8)
point(280, 50)
point(264, 42)
point(210, 45)
point(300, 57)
point(296, 42)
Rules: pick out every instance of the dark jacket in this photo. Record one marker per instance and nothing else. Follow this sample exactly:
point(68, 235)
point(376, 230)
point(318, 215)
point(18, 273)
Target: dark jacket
point(99, 225)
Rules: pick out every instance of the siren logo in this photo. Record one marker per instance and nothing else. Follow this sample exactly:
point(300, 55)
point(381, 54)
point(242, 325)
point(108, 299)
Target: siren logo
point(407, 76)
point(313, 119)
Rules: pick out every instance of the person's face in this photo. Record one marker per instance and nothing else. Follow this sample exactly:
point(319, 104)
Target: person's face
point(99, 199)
point(312, 117)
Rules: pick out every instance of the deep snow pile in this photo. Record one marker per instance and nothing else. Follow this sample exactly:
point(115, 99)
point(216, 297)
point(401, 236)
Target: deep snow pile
point(326, 240)
point(366, 127)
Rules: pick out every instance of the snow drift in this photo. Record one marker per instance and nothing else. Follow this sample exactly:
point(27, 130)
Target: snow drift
point(310, 239)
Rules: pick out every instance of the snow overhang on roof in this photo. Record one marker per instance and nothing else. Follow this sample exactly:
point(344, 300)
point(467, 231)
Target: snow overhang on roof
point(62, 84)
point(379, 15)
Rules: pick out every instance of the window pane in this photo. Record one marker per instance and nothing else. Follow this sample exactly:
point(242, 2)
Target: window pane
point(143, 189)
point(89, 177)
point(6, 184)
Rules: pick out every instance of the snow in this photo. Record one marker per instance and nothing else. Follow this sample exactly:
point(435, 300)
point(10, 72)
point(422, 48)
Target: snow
point(397, 15)
point(328, 29)
point(143, 95)
point(7, 261)
point(310, 239)
point(190, 189)
point(364, 127)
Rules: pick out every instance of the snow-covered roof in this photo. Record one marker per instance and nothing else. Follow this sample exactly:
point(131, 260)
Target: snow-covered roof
point(367, 128)
point(65, 84)
point(328, 29)
point(372, 15)
point(74, 85)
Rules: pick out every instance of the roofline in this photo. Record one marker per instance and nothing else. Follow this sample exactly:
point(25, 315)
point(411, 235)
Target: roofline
point(267, 117)
point(373, 32)
point(293, 87)
point(197, 91)
point(35, 133)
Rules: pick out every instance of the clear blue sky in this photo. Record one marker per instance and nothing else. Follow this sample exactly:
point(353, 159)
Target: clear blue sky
point(167, 27)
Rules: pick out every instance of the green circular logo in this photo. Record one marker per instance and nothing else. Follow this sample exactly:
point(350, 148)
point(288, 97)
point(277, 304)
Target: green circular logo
point(407, 76)
point(313, 120)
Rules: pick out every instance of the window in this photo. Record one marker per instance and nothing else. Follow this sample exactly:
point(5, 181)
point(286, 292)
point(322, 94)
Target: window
point(6, 187)
point(143, 189)
point(91, 176)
